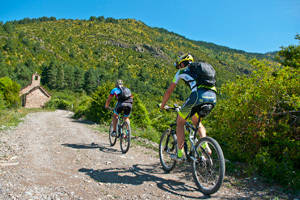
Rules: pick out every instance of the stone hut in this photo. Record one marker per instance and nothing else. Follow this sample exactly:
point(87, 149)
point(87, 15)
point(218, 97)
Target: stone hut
point(34, 95)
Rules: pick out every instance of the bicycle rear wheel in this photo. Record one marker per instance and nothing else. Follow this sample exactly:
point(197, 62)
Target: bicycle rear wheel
point(112, 139)
point(209, 165)
point(167, 147)
point(125, 137)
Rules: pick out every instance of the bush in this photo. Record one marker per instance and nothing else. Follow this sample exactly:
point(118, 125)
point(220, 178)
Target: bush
point(140, 116)
point(10, 91)
point(56, 103)
point(96, 111)
point(254, 119)
point(81, 106)
point(2, 102)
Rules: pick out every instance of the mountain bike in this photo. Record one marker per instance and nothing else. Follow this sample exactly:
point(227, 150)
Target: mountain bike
point(123, 132)
point(205, 154)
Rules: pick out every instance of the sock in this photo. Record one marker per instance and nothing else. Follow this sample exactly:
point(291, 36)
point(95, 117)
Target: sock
point(204, 145)
point(180, 153)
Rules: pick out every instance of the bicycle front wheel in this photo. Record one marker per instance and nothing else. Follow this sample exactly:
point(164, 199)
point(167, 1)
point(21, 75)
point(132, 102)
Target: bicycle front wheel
point(112, 139)
point(167, 148)
point(125, 137)
point(208, 165)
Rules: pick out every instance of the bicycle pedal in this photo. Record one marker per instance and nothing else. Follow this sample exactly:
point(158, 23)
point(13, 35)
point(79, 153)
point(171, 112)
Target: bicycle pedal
point(176, 158)
point(113, 134)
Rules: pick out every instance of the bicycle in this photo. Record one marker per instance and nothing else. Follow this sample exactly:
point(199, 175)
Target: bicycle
point(208, 167)
point(123, 132)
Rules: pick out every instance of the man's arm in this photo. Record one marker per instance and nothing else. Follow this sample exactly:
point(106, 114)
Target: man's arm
point(108, 101)
point(167, 95)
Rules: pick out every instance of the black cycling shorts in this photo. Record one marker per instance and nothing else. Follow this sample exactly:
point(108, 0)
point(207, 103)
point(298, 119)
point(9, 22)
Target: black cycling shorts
point(197, 98)
point(123, 107)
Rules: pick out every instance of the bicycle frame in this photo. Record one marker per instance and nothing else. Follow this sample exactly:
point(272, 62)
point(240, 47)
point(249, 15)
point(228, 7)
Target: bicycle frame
point(119, 125)
point(192, 135)
point(192, 138)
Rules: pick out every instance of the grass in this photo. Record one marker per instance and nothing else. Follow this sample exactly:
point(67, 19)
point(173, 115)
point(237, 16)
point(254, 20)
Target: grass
point(12, 117)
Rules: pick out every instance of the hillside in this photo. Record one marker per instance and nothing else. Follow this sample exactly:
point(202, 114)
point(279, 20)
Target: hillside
point(94, 51)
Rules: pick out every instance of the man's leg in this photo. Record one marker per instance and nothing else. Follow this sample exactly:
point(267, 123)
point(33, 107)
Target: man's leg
point(126, 119)
point(201, 130)
point(115, 120)
point(180, 135)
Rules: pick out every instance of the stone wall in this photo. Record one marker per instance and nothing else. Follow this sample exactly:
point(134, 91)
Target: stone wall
point(36, 99)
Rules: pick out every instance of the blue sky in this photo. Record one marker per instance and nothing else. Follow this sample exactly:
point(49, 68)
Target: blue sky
point(250, 25)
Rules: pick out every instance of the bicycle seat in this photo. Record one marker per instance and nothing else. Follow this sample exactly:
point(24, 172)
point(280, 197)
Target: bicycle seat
point(203, 109)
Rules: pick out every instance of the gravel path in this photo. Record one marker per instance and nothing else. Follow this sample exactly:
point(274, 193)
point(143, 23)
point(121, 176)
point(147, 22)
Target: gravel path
point(52, 156)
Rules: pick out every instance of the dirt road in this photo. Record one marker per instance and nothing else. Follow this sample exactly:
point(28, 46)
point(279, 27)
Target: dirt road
point(52, 156)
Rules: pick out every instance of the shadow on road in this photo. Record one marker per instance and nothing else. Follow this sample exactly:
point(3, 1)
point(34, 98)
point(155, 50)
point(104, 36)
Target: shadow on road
point(91, 146)
point(82, 121)
point(139, 174)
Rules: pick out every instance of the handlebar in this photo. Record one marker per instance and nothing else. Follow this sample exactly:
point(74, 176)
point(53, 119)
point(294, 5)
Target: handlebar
point(110, 108)
point(175, 107)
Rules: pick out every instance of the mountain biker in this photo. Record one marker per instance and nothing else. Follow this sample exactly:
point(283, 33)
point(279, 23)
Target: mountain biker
point(124, 104)
point(199, 94)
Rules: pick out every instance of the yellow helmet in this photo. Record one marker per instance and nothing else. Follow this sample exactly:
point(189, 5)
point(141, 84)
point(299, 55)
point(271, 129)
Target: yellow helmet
point(186, 57)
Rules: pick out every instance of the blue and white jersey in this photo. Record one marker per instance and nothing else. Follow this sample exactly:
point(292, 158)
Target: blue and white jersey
point(115, 92)
point(184, 74)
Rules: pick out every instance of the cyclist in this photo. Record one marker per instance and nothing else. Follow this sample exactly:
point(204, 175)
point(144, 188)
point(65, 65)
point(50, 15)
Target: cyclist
point(124, 104)
point(200, 93)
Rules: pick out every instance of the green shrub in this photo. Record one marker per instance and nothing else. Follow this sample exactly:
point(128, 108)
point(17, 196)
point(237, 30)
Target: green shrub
point(2, 102)
point(253, 120)
point(140, 116)
point(96, 111)
point(10, 91)
point(56, 103)
point(80, 106)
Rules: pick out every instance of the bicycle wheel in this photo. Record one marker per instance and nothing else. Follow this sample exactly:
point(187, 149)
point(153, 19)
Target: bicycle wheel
point(125, 137)
point(167, 147)
point(112, 139)
point(209, 165)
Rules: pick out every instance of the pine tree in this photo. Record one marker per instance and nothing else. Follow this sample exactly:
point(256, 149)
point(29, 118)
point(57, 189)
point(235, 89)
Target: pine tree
point(52, 76)
point(78, 79)
point(69, 77)
point(90, 80)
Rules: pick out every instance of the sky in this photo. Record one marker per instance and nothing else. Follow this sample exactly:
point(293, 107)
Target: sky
point(258, 26)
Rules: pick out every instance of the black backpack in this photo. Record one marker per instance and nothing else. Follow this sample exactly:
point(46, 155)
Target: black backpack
point(125, 94)
point(203, 73)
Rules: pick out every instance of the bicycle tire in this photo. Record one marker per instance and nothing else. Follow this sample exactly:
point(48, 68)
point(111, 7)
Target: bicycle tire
point(205, 163)
point(125, 137)
point(167, 146)
point(112, 139)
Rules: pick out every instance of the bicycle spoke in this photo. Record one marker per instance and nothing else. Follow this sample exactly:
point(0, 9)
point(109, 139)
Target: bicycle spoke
point(125, 137)
point(167, 148)
point(209, 169)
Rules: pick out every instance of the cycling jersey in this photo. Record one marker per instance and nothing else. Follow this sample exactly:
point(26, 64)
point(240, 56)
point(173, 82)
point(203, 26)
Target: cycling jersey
point(115, 92)
point(184, 74)
point(125, 106)
point(199, 95)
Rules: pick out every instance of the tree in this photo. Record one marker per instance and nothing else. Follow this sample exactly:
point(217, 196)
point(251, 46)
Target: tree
point(4, 70)
point(10, 45)
point(69, 77)
point(90, 81)
point(52, 76)
point(9, 27)
point(10, 91)
point(22, 75)
point(79, 79)
point(60, 78)
point(290, 56)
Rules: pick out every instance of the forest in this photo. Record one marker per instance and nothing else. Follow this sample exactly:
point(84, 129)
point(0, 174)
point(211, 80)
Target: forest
point(256, 119)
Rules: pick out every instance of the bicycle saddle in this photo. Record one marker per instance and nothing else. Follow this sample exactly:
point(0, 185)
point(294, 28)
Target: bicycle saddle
point(203, 109)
